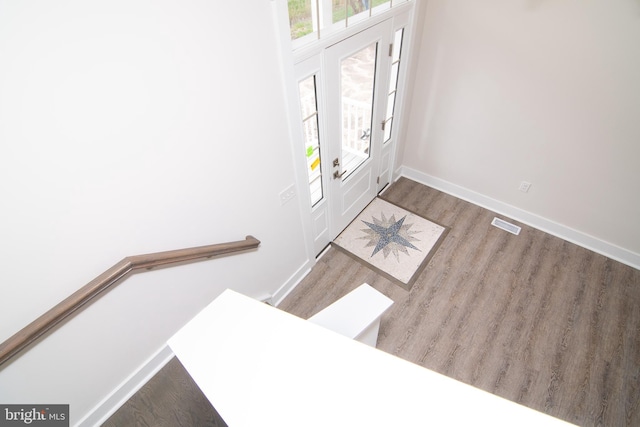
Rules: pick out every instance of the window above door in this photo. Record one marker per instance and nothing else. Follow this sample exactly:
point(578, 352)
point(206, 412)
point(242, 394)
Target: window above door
point(309, 20)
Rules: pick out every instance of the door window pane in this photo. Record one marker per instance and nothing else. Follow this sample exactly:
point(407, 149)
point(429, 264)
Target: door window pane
point(393, 84)
point(357, 77)
point(309, 109)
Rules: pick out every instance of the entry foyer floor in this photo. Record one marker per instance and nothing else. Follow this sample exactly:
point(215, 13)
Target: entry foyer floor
point(531, 318)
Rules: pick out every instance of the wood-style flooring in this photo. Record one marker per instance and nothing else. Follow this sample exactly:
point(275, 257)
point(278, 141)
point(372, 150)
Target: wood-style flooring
point(170, 399)
point(531, 318)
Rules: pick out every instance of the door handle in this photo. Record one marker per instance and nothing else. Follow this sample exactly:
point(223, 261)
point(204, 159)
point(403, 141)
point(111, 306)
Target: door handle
point(337, 175)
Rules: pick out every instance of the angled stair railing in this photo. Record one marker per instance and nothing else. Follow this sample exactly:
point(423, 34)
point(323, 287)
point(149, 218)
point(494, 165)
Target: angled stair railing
point(108, 279)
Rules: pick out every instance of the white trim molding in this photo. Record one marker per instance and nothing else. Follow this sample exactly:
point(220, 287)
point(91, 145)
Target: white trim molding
point(293, 281)
point(585, 240)
point(118, 397)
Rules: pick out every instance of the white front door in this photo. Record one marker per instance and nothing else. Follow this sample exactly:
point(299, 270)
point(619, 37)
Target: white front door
point(347, 97)
point(357, 73)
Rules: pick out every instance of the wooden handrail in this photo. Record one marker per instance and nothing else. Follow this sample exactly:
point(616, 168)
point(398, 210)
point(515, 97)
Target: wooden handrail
point(105, 281)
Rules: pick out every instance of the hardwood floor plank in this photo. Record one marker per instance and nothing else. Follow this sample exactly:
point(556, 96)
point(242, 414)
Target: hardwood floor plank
point(170, 399)
point(531, 318)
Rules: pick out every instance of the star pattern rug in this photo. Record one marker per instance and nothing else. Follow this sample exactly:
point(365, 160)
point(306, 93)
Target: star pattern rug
point(393, 241)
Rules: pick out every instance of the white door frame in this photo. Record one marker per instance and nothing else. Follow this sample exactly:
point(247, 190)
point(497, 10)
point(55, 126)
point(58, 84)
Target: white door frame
point(315, 220)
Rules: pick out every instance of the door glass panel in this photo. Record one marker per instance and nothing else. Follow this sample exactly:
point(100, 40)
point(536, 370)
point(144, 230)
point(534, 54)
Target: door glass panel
point(309, 109)
point(393, 84)
point(357, 77)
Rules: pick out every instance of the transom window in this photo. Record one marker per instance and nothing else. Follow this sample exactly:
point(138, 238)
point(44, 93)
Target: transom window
point(309, 18)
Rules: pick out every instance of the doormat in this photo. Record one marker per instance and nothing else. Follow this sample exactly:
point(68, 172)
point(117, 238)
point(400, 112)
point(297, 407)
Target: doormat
point(394, 242)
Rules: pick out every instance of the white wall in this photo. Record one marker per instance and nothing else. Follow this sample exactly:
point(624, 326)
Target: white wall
point(536, 90)
point(130, 127)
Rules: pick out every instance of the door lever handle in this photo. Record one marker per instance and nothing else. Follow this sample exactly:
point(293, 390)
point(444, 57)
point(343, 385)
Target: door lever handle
point(337, 175)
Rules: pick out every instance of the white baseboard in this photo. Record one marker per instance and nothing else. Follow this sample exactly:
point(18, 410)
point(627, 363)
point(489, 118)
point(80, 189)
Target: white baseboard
point(579, 238)
point(293, 281)
point(118, 397)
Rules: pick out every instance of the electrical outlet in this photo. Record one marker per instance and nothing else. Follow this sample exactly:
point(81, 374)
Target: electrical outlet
point(524, 186)
point(287, 194)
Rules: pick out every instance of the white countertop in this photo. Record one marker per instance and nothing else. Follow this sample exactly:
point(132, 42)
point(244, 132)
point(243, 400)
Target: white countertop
point(260, 367)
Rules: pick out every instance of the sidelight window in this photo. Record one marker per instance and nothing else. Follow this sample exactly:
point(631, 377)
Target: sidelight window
point(393, 84)
point(309, 110)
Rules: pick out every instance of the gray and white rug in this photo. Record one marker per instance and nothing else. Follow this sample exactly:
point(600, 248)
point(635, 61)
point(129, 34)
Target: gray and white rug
point(393, 241)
